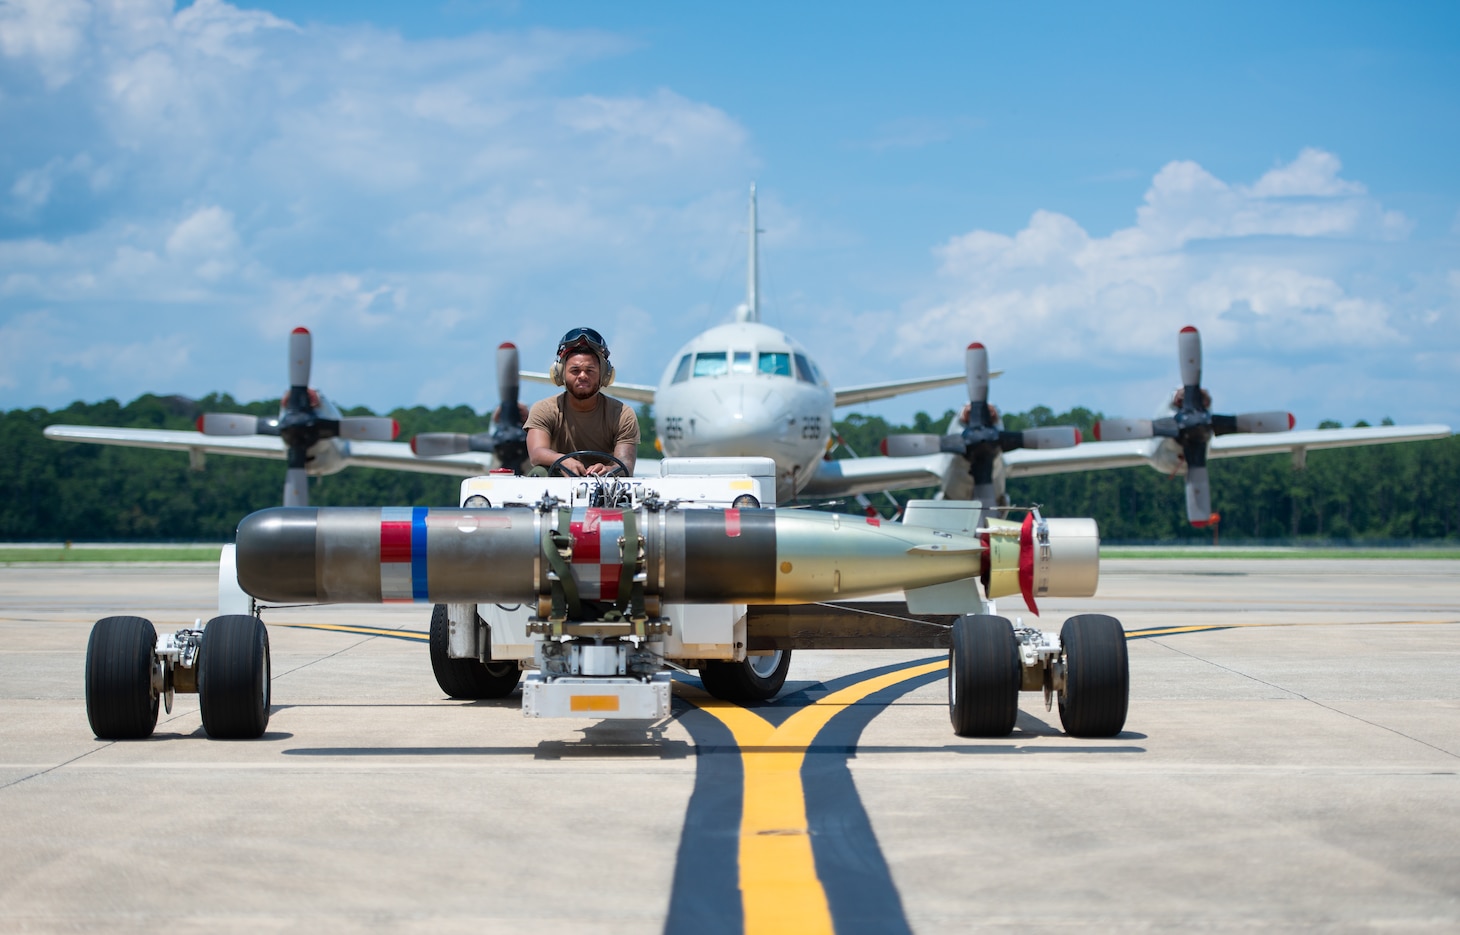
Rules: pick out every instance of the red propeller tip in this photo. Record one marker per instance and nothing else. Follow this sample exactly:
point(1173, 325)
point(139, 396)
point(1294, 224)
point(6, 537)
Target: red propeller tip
point(1096, 430)
point(882, 446)
point(199, 423)
point(1188, 329)
point(975, 346)
point(300, 330)
point(1291, 421)
point(506, 345)
point(413, 444)
point(394, 430)
point(1079, 438)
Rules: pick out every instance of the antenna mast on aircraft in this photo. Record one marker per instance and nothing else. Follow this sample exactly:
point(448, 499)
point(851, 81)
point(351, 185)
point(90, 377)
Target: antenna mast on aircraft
point(751, 310)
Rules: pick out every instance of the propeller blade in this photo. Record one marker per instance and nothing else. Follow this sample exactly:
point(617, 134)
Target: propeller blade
point(1188, 348)
point(976, 369)
point(296, 487)
point(369, 428)
point(508, 384)
point(301, 349)
point(236, 423)
point(436, 444)
point(1265, 421)
point(1050, 436)
point(1198, 496)
point(1114, 430)
point(912, 445)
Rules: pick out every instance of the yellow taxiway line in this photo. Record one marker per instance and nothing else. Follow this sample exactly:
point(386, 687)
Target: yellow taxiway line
point(779, 888)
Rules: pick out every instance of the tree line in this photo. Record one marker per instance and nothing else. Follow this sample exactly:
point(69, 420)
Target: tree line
point(53, 491)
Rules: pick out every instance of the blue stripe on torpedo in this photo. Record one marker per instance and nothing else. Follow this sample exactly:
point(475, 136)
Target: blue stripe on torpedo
point(419, 589)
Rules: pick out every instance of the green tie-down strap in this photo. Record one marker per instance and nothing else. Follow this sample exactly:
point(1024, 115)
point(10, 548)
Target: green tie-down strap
point(557, 548)
point(630, 589)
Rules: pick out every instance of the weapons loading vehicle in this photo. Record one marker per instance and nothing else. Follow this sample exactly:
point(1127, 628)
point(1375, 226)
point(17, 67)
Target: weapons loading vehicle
point(600, 588)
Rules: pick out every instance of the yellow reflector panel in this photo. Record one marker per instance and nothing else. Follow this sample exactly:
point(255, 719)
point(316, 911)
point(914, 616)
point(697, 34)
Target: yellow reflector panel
point(593, 703)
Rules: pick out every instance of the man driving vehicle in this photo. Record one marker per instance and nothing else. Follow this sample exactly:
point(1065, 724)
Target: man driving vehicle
point(581, 418)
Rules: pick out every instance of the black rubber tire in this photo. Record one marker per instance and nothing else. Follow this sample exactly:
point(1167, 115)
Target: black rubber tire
point(1097, 676)
point(984, 676)
point(234, 690)
point(467, 678)
point(755, 679)
point(120, 703)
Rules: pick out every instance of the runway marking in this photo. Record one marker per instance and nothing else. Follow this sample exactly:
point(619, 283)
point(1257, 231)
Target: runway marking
point(1167, 631)
point(780, 887)
point(409, 635)
point(1208, 627)
point(794, 862)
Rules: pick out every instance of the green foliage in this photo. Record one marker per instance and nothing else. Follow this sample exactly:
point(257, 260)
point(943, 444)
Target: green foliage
point(54, 491)
point(647, 435)
point(1378, 493)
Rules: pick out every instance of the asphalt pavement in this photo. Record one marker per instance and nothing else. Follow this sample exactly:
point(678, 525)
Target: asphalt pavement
point(1291, 761)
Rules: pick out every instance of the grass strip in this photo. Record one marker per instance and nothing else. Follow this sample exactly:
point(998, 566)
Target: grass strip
point(120, 553)
point(185, 553)
point(1451, 554)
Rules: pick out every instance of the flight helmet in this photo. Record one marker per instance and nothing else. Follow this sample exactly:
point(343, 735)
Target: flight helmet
point(581, 341)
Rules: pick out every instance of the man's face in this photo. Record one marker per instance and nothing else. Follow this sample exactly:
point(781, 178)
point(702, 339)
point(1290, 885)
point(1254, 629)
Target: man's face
point(581, 375)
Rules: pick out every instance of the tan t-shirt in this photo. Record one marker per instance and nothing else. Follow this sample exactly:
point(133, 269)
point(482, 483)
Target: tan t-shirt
point(609, 424)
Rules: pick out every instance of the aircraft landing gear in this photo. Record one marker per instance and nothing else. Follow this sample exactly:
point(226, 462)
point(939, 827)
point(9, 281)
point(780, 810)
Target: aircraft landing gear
point(754, 679)
point(990, 661)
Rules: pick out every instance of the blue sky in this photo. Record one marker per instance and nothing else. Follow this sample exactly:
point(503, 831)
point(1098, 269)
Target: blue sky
point(1069, 183)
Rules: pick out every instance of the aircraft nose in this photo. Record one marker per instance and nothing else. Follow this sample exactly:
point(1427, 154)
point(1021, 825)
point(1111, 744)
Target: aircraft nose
point(752, 419)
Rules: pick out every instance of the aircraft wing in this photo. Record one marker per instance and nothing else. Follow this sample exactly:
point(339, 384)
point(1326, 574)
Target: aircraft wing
point(1089, 456)
point(249, 446)
point(633, 392)
point(395, 456)
point(871, 391)
point(1094, 456)
point(851, 476)
point(388, 456)
point(1240, 445)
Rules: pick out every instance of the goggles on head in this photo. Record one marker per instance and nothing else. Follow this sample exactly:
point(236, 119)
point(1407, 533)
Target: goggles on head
point(582, 340)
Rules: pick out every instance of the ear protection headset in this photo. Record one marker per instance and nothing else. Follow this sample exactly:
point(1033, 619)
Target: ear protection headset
point(582, 341)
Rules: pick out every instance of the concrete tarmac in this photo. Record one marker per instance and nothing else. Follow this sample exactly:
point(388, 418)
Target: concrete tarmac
point(1297, 771)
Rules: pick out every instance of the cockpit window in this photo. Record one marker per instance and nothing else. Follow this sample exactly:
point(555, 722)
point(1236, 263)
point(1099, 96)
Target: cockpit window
point(775, 363)
point(805, 371)
point(711, 364)
point(741, 362)
point(681, 373)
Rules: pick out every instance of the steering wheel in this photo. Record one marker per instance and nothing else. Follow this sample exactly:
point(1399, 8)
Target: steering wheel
point(599, 457)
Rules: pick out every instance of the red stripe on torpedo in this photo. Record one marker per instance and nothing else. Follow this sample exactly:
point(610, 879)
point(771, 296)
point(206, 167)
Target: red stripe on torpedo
point(395, 541)
point(586, 533)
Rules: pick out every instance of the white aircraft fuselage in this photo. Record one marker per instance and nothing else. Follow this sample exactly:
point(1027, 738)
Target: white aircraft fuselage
point(746, 389)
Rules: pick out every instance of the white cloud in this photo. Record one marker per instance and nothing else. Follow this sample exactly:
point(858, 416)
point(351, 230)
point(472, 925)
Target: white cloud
point(1191, 258)
point(51, 33)
point(1313, 174)
point(206, 232)
point(228, 173)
